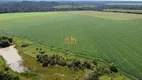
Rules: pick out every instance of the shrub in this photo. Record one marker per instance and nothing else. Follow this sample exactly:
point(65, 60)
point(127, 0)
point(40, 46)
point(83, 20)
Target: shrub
point(4, 44)
point(5, 41)
point(113, 68)
point(93, 76)
point(94, 62)
point(44, 64)
point(10, 40)
point(75, 65)
point(87, 65)
point(101, 70)
point(6, 68)
point(24, 45)
point(36, 48)
point(8, 76)
point(42, 52)
point(62, 63)
point(46, 60)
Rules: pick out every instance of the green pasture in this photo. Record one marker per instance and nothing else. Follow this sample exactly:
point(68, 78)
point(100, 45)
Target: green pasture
point(113, 37)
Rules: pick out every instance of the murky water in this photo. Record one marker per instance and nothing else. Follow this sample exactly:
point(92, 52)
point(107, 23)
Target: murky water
point(11, 56)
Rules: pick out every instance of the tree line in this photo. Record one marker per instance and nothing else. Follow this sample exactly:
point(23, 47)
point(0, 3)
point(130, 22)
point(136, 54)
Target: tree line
point(42, 6)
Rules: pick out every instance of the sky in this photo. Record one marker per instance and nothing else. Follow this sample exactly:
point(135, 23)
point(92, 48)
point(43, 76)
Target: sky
point(70, 0)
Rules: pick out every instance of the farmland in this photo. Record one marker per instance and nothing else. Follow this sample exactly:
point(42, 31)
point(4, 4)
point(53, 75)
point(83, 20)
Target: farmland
point(112, 37)
point(124, 11)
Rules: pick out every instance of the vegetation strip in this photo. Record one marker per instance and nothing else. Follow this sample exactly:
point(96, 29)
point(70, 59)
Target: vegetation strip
point(72, 63)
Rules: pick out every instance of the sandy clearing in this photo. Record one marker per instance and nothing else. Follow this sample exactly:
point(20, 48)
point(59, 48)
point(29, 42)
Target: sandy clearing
point(11, 56)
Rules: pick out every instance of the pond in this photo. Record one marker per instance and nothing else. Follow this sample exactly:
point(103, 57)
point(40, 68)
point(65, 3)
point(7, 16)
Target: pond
point(12, 58)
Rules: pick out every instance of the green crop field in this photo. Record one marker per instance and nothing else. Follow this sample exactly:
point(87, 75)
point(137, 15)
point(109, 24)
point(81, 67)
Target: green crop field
point(113, 37)
point(122, 10)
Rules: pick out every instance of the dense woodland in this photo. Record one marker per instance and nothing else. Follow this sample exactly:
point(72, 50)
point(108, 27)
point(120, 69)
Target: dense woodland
point(42, 6)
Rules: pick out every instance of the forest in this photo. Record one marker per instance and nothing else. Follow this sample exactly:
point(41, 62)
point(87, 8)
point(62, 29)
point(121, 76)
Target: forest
point(43, 6)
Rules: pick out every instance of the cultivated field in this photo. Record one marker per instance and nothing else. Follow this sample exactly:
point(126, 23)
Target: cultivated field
point(113, 37)
point(108, 15)
point(123, 11)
